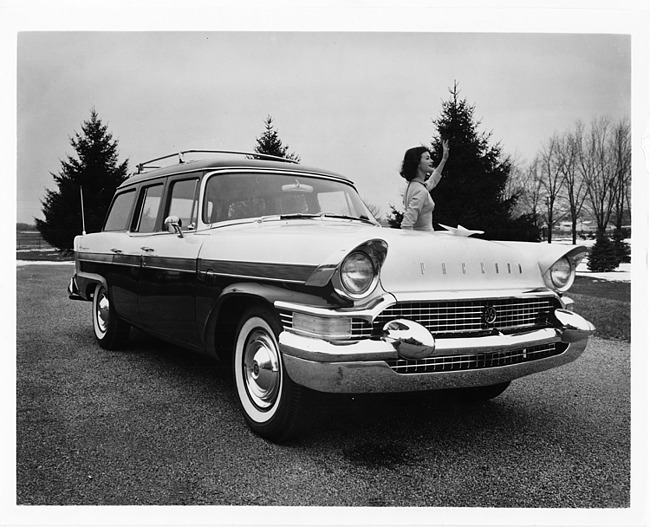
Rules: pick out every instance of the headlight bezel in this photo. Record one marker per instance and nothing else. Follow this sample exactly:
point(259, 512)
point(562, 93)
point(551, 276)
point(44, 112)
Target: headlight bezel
point(373, 253)
point(561, 275)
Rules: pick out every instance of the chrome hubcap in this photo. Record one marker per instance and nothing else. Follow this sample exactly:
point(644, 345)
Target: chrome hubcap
point(103, 308)
point(261, 366)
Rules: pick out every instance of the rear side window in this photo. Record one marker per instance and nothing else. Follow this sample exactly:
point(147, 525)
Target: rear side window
point(149, 209)
point(118, 216)
point(183, 202)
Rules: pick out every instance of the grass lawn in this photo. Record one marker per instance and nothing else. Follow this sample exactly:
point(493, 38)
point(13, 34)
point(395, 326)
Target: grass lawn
point(605, 304)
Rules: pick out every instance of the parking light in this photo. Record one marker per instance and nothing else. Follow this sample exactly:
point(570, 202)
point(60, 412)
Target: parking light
point(328, 328)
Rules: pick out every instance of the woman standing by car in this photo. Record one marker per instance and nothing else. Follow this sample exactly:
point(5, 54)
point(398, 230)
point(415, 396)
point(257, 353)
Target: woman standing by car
point(419, 171)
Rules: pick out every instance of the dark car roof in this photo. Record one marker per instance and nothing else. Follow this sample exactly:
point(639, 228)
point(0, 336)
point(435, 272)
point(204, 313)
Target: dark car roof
point(226, 161)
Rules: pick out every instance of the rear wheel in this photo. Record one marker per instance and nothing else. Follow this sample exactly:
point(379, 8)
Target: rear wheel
point(110, 330)
point(273, 406)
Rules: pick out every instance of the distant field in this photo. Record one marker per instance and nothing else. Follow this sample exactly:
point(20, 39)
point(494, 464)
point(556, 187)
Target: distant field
point(46, 255)
point(31, 240)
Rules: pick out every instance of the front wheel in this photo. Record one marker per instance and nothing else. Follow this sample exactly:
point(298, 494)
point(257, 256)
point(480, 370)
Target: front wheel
point(110, 330)
point(273, 406)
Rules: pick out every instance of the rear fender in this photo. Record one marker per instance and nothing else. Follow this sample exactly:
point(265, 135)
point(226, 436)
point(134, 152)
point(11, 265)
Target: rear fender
point(86, 283)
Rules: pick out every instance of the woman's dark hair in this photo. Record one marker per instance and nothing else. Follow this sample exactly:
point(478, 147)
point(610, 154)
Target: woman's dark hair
point(411, 161)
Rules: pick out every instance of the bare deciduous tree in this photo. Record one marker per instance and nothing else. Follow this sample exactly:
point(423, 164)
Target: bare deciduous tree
point(620, 146)
point(526, 184)
point(595, 164)
point(552, 180)
point(575, 188)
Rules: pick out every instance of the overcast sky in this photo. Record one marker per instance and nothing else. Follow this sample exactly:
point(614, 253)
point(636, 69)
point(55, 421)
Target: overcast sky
point(351, 101)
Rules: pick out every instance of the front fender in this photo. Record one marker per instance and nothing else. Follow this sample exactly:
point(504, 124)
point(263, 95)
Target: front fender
point(232, 301)
point(549, 253)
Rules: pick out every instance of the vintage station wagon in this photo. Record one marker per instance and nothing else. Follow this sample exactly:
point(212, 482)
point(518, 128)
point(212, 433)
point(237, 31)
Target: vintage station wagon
point(281, 271)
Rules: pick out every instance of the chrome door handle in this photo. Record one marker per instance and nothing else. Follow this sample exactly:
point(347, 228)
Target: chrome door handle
point(117, 251)
point(147, 249)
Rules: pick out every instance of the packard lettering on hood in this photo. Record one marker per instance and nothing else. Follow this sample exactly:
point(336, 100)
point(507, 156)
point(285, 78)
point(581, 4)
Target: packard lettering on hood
point(280, 272)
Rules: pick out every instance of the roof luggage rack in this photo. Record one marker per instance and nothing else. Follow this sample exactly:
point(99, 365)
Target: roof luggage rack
point(181, 157)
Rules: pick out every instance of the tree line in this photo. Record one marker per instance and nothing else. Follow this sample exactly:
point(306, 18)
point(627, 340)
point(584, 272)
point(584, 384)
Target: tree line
point(94, 172)
point(581, 173)
point(584, 171)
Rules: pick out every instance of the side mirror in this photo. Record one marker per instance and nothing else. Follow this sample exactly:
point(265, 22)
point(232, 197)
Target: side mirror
point(173, 224)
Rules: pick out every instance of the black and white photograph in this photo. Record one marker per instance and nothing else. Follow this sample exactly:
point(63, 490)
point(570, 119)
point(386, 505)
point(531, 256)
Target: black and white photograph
point(326, 264)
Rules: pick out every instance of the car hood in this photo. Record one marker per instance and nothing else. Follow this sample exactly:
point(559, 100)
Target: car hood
point(416, 262)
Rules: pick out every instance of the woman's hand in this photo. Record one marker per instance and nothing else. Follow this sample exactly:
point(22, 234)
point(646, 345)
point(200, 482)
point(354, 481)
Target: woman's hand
point(445, 149)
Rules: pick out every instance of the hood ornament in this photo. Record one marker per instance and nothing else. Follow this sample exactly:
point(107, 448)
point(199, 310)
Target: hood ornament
point(460, 231)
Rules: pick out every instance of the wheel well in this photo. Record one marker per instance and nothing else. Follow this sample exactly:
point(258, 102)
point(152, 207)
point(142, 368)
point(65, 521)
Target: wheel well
point(90, 290)
point(227, 320)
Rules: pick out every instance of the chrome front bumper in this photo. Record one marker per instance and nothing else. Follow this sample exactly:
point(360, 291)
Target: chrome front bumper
point(363, 366)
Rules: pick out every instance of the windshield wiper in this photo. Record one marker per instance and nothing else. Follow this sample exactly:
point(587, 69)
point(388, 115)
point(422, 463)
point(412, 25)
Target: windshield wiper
point(346, 217)
point(298, 215)
point(302, 215)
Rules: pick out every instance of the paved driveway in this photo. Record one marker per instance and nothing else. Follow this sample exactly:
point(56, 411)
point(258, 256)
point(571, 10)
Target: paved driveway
point(153, 424)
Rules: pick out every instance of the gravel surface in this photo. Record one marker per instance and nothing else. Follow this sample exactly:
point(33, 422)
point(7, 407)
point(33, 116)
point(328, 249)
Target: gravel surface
point(154, 424)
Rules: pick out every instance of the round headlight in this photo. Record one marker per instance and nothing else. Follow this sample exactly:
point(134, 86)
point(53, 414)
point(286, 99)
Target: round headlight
point(561, 273)
point(357, 273)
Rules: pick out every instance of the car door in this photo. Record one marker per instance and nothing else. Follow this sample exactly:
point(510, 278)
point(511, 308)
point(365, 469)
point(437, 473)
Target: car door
point(167, 300)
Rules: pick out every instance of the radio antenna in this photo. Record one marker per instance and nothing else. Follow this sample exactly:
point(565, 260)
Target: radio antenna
point(83, 220)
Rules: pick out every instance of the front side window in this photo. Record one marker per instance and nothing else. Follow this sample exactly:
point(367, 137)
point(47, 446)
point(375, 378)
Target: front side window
point(120, 212)
point(183, 202)
point(252, 195)
point(149, 209)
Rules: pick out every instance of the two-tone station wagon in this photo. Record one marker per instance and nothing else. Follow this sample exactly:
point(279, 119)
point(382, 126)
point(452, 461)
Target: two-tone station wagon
point(281, 271)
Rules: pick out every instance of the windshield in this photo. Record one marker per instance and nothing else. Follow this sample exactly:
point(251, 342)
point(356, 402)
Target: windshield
point(254, 195)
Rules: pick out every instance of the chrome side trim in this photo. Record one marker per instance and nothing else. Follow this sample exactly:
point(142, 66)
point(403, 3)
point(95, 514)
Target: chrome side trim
point(370, 310)
point(294, 273)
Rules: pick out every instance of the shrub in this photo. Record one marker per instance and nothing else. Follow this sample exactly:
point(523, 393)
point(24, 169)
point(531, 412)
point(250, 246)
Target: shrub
point(622, 249)
point(603, 257)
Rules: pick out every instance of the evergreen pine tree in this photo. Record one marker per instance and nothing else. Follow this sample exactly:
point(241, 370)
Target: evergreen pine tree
point(270, 143)
point(472, 190)
point(394, 218)
point(602, 257)
point(622, 248)
point(96, 171)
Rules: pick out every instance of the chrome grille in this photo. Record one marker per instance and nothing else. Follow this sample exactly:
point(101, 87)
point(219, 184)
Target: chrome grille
point(360, 329)
point(476, 361)
point(467, 316)
point(286, 318)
